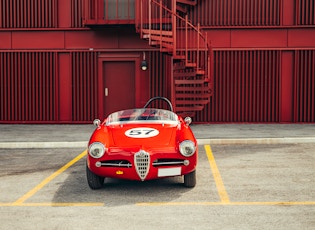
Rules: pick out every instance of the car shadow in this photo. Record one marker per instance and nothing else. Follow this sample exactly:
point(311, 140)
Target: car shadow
point(74, 189)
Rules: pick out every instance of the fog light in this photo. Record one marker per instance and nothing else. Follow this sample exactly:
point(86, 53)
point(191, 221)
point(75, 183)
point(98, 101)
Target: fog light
point(98, 164)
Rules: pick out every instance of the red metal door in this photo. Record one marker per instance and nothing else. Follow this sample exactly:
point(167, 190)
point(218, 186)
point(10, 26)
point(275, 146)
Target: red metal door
point(119, 85)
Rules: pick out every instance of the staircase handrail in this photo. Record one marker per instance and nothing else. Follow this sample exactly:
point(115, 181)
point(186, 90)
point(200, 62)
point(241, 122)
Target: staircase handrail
point(187, 24)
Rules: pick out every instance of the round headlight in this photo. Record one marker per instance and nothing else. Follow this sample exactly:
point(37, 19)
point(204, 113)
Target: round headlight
point(187, 148)
point(96, 150)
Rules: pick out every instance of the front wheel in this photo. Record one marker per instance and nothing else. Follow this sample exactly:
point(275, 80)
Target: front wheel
point(94, 181)
point(190, 179)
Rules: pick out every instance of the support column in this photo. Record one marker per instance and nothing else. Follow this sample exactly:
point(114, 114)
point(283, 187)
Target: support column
point(286, 86)
point(65, 88)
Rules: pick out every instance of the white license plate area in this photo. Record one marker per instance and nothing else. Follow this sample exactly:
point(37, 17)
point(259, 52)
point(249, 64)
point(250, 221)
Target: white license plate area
point(163, 172)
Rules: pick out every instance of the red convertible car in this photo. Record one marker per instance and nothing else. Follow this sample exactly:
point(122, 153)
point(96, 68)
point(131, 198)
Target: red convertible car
point(142, 144)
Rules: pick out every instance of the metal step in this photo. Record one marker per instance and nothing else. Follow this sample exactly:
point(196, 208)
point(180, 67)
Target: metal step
point(188, 2)
point(192, 96)
point(181, 75)
point(185, 81)
point(158, 32)
point(189, 108)
point(186, 102)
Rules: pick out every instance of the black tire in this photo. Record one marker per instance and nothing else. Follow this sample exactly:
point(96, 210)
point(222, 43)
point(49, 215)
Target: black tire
point(94, 181)
point(190, 179)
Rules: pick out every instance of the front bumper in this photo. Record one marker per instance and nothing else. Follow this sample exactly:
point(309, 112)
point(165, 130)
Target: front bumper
point(142, 165)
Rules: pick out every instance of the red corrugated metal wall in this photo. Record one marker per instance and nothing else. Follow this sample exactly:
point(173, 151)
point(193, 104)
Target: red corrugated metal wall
point(28, 91)
point(251, 13)
point(237, 13)
point(76, 13)
point(160, 68)
point(263, 61)
point(304, 81)
point(84, 86)
point(305, 12)
point(251, 82)
point(246, 87)
point(36, 14)
point(28, 13)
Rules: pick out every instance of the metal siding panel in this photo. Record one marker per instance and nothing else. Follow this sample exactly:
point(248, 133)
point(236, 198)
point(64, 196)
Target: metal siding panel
point(305, 83)
point(2, 15)
point(237, 13)
point(76, 13)
point(8, 74)
point(84, 80)
point(305, 12)
point(31, 76)
point(305, 86)
point(19, 101)
point(75, 75)
point(23, 13)
point(15, 87)
point(246, 87)
point(248, 99)
point(313, 86)
point(244, 72)
point(43, 13)
point(28, 14)
point(302, 85)
point(309, 83)
point(2, 85)
point(25, 87)
point(218, 92)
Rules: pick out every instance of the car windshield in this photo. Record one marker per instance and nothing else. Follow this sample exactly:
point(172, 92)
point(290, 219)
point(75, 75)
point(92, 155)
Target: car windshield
point(143, 115)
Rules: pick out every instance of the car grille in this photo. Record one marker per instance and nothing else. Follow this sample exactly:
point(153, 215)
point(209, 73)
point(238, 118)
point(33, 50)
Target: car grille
point(142, 163)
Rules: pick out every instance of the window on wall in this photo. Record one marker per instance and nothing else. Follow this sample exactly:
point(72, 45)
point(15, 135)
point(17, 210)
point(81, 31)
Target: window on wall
point(119, 9)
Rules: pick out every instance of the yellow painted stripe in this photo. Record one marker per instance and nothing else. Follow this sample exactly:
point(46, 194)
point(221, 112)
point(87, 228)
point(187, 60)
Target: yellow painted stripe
point(274, 203)
point(280, 203)
point(259, 203)
point(5, 204)
point(57, 204)
point(48, 179)
point(217, 177)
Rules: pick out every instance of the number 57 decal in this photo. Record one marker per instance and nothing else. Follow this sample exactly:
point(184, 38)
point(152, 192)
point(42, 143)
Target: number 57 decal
point(141, 132)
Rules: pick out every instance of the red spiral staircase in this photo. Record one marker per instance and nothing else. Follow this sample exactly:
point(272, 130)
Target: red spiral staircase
point(164, 25)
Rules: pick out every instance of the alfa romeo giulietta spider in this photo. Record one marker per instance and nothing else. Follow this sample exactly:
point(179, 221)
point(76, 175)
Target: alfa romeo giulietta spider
point(142, 144)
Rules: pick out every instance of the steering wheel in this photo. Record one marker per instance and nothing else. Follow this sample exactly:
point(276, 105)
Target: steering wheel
point(159, 98)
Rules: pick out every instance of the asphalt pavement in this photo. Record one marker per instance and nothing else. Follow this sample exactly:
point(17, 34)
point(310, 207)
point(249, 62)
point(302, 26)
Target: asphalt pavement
point(74, 135)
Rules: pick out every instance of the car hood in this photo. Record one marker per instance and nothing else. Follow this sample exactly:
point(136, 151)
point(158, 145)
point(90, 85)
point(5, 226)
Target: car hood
point(151, 135)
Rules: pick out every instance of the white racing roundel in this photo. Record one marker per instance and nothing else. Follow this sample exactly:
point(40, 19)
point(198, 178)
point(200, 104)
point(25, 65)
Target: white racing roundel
point(144, 132)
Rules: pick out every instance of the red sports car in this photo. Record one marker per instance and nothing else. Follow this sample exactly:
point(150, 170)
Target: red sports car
point(142, 144)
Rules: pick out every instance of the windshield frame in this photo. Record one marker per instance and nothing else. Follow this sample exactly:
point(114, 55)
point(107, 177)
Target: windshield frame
point(142, 115)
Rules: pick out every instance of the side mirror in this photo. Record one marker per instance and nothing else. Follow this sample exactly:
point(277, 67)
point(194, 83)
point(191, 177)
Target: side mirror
point(188, 120)
point(97, 122)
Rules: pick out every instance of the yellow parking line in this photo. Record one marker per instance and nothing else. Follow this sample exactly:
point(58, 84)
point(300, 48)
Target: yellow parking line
point(48, 179)
point(217, 177)
point(275, 203)
point(58, 204)
point(279, 203)
point(254, 203)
